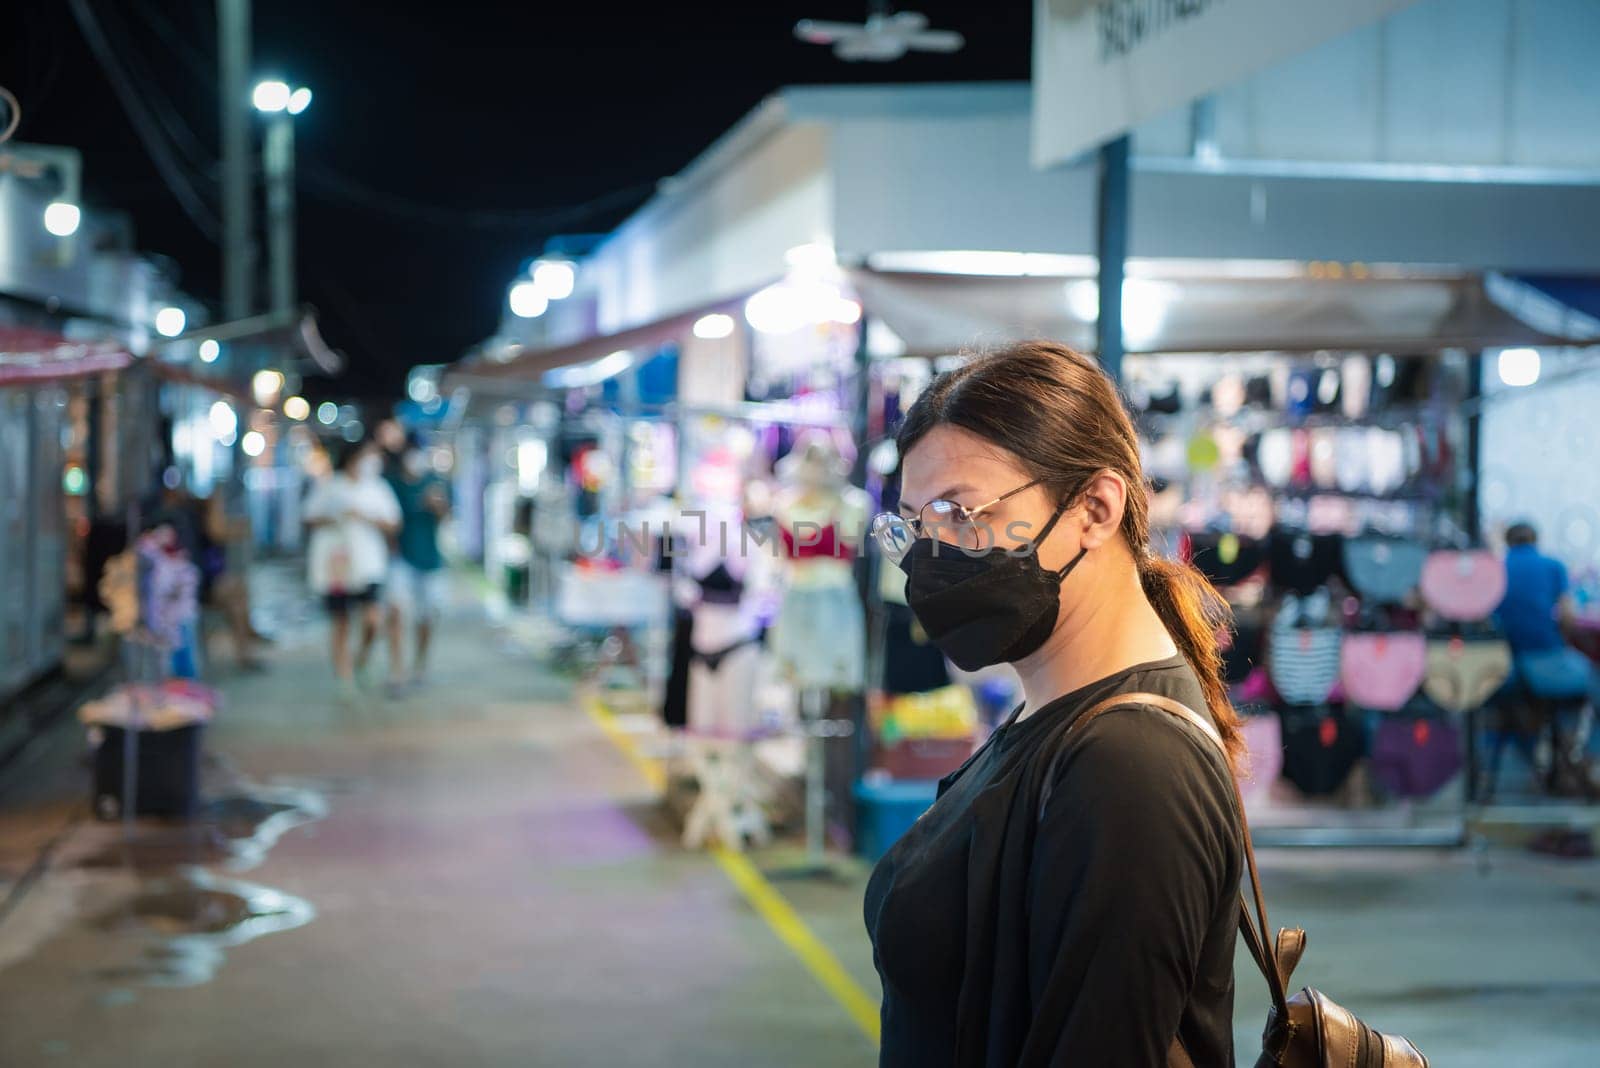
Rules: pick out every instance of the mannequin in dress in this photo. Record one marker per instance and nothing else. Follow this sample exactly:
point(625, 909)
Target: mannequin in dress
point(820, 635)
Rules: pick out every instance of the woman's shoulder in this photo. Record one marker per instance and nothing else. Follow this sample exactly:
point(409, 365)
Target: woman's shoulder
point(1143, 755)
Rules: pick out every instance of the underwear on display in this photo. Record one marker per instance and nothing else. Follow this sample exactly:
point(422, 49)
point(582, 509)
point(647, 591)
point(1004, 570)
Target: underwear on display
point(1463, 586)
point(1463, 673)
point(1320, 748)
point(1414, 758)
point(1302, 562)
point(1382, 671)
point(1383, 570)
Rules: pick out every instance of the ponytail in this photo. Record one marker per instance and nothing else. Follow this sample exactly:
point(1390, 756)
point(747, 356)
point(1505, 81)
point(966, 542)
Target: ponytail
point(1194, 613)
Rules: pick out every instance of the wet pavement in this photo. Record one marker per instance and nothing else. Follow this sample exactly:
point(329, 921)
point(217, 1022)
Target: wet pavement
point(475, 875)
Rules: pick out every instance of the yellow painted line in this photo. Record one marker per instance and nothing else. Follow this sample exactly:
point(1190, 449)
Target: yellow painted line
point(793, 932)
point(770, 905)
point(646, 766)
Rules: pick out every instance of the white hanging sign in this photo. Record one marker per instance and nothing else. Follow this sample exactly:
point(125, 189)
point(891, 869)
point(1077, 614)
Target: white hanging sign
point(1102, 67)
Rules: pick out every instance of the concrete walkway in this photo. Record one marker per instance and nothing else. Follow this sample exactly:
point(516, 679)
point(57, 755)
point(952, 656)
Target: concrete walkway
point(492, 885)
point(476, 876)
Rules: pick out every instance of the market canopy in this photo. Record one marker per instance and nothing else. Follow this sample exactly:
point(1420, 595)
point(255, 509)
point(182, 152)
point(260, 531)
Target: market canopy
point(1169, 308)
point(31, 354)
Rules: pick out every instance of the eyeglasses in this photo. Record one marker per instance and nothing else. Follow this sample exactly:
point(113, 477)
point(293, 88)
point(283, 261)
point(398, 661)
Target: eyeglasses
point(949, 522)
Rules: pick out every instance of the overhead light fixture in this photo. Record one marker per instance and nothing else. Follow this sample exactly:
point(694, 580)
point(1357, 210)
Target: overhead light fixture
point(170, 321)
point(224, 421)
point(61, 218)
point(815, 256)
point(271, 96)
point(253, 443)
point(327, 413)
point(714, 326)
point(1519, 367)
point(526, 300)
point(554, 279)
point(209, 350)
point(297, 408)
point(265, 386)
point(299, 100)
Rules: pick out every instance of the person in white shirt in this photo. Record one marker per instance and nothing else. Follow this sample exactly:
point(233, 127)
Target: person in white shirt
point(351, 514)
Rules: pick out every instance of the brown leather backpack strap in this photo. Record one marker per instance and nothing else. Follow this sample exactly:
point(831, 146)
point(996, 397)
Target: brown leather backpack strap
point(1258, 940)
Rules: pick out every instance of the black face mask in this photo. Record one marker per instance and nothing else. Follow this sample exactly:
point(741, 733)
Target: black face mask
point(994, 608)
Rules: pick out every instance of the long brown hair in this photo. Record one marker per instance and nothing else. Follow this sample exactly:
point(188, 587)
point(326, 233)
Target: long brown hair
point(1061, 416)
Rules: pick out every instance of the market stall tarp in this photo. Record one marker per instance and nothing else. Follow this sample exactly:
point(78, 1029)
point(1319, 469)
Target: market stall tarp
point(935, 314)
point(30, 354)
point(529, 363)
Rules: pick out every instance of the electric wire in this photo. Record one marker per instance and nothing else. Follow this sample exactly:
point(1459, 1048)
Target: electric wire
point(147, 128)
point(330, 184)
point(14, 114)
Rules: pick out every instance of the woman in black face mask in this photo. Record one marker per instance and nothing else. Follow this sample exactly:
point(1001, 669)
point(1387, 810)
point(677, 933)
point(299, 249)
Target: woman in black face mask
point(1070, 899)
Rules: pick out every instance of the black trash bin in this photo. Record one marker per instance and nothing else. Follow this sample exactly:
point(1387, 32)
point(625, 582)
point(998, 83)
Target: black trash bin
point(168, 766)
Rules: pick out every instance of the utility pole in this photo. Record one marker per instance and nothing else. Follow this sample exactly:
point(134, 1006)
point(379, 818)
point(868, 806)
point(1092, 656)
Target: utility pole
point(1112, 250)
point(278, 162)
point(238, 256)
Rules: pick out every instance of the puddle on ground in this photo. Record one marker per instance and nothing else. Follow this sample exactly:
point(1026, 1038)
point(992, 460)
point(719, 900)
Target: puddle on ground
point(234, 832)
point(166, 900)
point(176, 931)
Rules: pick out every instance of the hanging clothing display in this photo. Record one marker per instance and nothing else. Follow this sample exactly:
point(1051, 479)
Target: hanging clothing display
point(1463, 673)
point(1304, 661)
point(1243, 652)
point(1226, 559)
point(1383, 570)
point(1263, 742)
point(725, 651)
point(911, 663)
point(1413, 758)
point(675, 699)
point(1302, 562)
point(1463, 586)
point(1320, 748)
point(1383, 671)
point(819, 637)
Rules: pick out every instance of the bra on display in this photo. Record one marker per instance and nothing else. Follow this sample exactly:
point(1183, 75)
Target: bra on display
point(1463, 586)
point(1415, 757)
point(1274, 457)
point(1355, 386)
point(1352, 470)
point(1202, 452)
point(718, 586)
point(1226, 559)
point(1383, 570)
point(1464, 673)
point(1325, 460)
point(1302, 562)
point(819, 542)
point(1382, 671)
point(1320, 749)
point(1304, 665)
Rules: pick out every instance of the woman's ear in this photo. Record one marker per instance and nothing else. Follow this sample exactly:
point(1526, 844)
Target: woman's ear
point(1103, 502)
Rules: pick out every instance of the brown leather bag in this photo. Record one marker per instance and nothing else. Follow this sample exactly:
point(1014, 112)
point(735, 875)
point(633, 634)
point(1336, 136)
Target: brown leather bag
point(1304, 1031)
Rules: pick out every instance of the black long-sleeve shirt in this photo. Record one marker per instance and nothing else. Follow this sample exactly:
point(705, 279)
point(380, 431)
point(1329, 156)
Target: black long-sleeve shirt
point(1089, 934)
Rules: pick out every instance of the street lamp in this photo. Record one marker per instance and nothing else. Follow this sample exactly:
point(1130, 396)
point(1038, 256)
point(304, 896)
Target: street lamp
point(280, 103)
point(61, 218)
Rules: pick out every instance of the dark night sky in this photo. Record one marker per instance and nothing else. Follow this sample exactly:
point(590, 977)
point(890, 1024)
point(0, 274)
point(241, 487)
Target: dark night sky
point(427, 113)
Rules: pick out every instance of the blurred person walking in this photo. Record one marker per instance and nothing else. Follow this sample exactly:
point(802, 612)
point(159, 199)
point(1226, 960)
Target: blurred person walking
point(415, 589)
point(351, 515)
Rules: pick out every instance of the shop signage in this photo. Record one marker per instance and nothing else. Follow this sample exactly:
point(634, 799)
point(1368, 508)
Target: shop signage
point(1101, 67)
